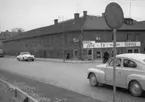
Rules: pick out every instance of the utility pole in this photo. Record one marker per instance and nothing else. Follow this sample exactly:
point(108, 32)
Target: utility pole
point(130, 9)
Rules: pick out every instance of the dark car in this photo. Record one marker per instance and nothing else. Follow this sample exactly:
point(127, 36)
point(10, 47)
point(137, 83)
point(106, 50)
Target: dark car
point(1, 53)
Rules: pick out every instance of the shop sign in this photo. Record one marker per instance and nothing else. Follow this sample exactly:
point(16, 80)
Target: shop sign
point(93, 44)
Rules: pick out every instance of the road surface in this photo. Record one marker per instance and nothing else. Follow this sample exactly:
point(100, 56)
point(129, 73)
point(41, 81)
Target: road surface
point(70, 76)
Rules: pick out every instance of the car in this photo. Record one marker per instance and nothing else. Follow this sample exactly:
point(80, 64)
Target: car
point(25, 56)
point(1, 53)
point(130, 73)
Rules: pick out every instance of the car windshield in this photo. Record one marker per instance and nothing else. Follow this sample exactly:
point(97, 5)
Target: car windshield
point(24, 53)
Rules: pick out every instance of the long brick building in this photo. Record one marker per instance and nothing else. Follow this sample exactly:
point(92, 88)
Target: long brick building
point(85, 37)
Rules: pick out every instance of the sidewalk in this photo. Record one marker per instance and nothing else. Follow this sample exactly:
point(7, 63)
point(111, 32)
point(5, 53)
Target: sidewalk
point(5, 94)
point(44, 92)
point(68, 61)
point(61, 60)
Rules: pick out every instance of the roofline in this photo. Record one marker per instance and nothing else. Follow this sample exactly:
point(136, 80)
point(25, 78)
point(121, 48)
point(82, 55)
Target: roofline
point(40, 35)
point(111, 30)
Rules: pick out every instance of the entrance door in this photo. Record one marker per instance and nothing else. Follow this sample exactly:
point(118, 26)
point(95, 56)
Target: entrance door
point(98, 54)
point(75, 54)
point(90, 54)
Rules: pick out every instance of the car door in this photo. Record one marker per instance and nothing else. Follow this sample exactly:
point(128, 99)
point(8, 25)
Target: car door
point(109, 71)
point(129, 67)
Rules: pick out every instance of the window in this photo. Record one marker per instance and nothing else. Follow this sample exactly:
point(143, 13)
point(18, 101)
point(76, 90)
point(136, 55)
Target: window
point(89, 52)
point(136, 50)
point(118, 62)
point(129, 63)
point(130, 50)
point(98, 54)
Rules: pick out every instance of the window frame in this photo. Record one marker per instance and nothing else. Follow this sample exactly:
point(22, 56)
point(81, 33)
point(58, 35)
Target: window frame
point(111, 60)
point(129, 60)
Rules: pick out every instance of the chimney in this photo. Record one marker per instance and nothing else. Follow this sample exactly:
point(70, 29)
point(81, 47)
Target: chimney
point(76, 15)
point(84, 13)
point(103, 14)
point(55, 21)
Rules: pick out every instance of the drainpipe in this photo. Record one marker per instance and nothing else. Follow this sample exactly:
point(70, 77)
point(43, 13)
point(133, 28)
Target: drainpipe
point(81, 44)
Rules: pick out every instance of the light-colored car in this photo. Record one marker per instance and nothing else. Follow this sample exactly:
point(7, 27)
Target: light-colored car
point(25, 56)
point(130, 73)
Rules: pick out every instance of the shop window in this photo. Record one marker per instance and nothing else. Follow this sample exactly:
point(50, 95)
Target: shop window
point(130, 51)
point(89, 52)
point(98, 54)
point(136, 50)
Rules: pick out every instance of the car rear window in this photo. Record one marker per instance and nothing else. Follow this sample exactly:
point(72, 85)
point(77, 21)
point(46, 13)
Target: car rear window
point(22, 53)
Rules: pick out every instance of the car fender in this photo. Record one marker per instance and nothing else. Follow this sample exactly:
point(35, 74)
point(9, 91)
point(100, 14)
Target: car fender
point(138, 77)
point(100, 74)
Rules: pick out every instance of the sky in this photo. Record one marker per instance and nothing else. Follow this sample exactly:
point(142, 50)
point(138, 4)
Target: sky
point(31, 14)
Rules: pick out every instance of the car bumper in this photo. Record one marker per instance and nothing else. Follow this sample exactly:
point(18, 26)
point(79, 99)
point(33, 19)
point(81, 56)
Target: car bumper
point(30, 58)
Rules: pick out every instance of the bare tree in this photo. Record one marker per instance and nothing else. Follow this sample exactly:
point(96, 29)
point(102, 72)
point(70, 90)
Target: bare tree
point(19, 30)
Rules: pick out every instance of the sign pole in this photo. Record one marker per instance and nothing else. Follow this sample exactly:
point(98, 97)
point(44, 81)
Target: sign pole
point(114, 65)
point(114, 18)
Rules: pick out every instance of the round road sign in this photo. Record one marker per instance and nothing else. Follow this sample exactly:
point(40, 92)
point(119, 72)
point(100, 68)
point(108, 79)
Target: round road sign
point(114, 16)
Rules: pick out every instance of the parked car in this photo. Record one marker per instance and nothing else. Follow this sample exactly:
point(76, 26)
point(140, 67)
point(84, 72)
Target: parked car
point(130, 73)
point(1, 53)
point(25, 56)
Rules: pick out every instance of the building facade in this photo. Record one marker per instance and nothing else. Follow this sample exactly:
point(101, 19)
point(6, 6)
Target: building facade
point(86, 37)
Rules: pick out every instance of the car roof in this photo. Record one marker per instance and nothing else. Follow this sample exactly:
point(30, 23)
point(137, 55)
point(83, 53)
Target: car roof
point(24, 52)
point(136, 56)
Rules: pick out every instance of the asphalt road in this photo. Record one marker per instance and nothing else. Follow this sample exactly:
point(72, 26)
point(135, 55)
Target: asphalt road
point(70, 76)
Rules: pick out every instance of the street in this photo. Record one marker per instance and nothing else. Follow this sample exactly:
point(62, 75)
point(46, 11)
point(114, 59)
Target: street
point(72, 76)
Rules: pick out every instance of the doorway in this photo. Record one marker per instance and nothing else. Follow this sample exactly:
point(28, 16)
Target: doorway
point(75, 54)
point(98, 54)
point(90, 54)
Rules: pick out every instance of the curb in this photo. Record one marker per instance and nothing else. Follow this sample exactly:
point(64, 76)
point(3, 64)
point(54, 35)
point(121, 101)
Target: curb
point(61, 60)
point(18, 94)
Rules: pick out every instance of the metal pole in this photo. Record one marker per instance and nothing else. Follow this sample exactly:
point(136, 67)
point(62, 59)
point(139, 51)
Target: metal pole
point(114, 66)
point(64, 40)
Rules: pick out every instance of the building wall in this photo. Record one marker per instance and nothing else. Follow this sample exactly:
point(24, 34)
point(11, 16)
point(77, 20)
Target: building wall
point(107, 36)
point(59, 45)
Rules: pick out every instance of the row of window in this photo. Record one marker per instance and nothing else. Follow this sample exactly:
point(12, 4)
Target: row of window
point(126, 63)
point(98, 53)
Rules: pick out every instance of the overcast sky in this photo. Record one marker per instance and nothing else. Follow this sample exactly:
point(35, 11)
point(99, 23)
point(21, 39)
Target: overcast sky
point(31, 14)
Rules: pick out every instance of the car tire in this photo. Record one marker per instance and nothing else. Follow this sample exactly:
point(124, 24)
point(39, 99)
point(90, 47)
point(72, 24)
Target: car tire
point(135, 88)
point(93, 80)
point(18, 59)
point(32, 60)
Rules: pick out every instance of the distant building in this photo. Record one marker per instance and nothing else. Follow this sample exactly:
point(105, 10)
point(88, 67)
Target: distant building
point(86, 37)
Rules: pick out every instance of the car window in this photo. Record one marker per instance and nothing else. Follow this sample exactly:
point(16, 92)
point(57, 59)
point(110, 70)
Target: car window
point(129, 63)
point(118, 62)
point(22, 53)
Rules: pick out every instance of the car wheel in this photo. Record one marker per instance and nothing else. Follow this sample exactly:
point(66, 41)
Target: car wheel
point(18, 59)
point(135, 88)
point(93, 80)
point(32, 59)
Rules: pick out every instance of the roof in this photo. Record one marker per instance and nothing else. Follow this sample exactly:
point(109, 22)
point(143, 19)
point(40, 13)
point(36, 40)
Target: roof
point(89, 23)
point(69, 25)
point(136, 56)
point(99, 23)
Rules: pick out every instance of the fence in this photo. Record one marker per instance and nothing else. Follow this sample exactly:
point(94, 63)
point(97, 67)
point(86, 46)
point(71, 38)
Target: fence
point(18, 94)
